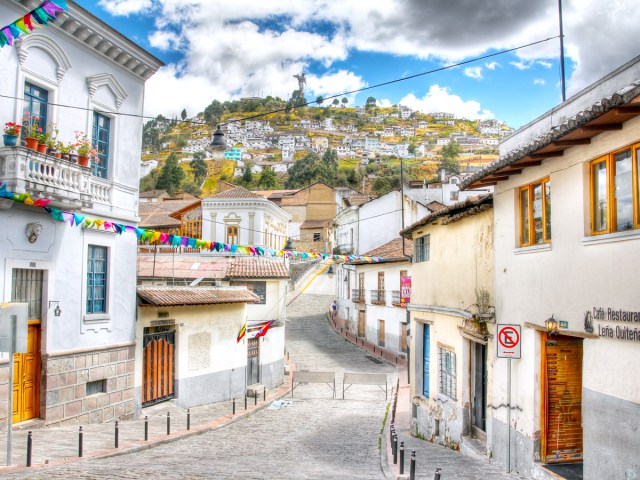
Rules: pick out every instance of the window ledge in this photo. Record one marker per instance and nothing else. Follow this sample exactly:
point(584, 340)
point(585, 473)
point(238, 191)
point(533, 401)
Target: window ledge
point(611, 237)
point(544, 247)
point(96, 318)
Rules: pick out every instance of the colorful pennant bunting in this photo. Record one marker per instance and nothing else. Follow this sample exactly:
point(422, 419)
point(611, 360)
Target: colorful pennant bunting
point(24, 25)
point(162, 238)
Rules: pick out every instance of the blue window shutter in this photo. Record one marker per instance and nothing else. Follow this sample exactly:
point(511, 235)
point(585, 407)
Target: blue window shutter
point(426, 351)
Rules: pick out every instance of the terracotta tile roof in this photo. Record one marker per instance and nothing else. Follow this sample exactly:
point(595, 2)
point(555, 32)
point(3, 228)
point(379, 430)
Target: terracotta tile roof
point(435, 206)
point(152, 193)
point(355, 200)
point(257, 268)
point(392, 249)
point(315, 224)
point(237, 192)
point(154, 214)
point(159, 220)
point(182, 266)
point(175, 296)
point(273, 193)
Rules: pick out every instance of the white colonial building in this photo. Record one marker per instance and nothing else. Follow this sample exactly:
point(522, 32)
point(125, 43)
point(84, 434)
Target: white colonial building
point(79, 74)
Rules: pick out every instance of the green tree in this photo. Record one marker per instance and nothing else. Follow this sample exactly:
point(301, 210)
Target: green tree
point(412, 148)
point(268, 179)
point(191, 187)
point(450, 154)
point(213, 112)
point(199, 167)
point(335, 102)
point(149, 182)
point(183, 114)
point(371, 103)
point(319, 100)
point(247, 176)
point(171, 175)
point(345, 101)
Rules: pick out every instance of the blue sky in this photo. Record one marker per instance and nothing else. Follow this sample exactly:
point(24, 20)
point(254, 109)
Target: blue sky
point(224, 50)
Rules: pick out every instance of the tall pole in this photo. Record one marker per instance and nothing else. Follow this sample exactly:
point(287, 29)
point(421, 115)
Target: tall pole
point(508, 415)
point(562, 83)
point(12, 351)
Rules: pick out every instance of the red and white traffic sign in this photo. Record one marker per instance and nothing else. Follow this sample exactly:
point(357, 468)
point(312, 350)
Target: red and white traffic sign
point(508, 341)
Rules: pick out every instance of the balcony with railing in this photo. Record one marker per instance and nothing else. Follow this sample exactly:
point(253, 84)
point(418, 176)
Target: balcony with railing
point(395, 299)
point(378, 297)
point(66, 184)
point(357, 295)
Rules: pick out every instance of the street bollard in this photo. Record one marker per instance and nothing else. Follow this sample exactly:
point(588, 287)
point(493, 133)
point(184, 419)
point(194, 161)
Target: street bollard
point(395, 449)
point(146, 428)
point(437, 474)
point(234, 406)
point(412, 468)
point(264, 394)
point(255, 399)
point(188, 419)
point(401, 458)
point(116, 434)
point(168, 423)
point(245, 401)
point(29, 448)
point(391, 430)
point(80, 440)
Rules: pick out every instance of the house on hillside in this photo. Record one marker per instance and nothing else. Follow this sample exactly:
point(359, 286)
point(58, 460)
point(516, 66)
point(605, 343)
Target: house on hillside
point(452, 324)
point(179, 217)
point(238, 216)
point(78, 282)
point(567, 256)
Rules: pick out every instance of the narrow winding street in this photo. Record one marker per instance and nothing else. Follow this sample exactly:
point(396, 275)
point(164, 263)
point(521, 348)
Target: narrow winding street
point(315, 436)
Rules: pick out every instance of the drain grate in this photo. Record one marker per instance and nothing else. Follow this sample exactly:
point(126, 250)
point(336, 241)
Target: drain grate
point(374, 359)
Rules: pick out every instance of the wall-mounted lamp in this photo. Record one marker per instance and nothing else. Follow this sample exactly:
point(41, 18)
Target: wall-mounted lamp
point(330, 271)
point(56, 311)
point(346, 278)
point(289, 244)
point(551, 325)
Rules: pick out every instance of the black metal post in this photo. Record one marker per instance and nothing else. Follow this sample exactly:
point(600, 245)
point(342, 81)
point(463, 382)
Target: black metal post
point(391, 430)
point(255, 398)
point(395, 449)
point(437, 474)
point(29, 448)
point(412, 468)
point(188, 419)
point(116, 434)
point(168, 423)
point(234, 406)
point(264, 394)
point(401, 458)
point(146, 428)
point(245, 401)
point(80, 440)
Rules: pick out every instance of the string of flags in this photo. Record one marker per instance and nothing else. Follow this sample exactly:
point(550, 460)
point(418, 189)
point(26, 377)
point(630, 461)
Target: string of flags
point(27, 23)
point(154, 237)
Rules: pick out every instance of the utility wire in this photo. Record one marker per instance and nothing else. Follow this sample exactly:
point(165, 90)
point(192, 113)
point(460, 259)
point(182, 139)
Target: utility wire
point(259, 115)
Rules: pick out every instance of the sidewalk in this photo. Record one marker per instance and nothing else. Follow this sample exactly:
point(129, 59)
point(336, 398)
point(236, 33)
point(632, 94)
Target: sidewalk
point(59, 445)
point(430, 456)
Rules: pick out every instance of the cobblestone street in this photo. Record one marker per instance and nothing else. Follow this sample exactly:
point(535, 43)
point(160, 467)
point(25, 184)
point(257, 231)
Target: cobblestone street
point(315, 436)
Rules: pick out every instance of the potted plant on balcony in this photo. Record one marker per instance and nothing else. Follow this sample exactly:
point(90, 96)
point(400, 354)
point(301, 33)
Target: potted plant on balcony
point(65, 150)
point(43, 138)
point(84, 148)
point(30, 125)
point(11, 134)
point(53, 145)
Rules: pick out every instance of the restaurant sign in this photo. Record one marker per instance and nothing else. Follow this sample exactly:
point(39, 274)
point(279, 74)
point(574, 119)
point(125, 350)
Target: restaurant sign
point(626, 323)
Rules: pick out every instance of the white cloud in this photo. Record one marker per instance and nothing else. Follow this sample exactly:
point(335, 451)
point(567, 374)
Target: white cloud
point(492, 65)
point(385, 103)
point(125, 7)
point(473, 72)
point(544, 63)
point(521, 65)
point(539, 81)
point(440, 99)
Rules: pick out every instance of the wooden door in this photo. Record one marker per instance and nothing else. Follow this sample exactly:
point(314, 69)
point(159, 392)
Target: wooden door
point(158, 364)
point(361, 323)
point(403, 337)
point(253, 361)
point(381, 333)
point(563, 406)
point(27, 287)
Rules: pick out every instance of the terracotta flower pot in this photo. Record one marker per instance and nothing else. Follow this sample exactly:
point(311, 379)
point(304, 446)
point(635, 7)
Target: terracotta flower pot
point(83, 160)
point(31, 142)
point(42, 148)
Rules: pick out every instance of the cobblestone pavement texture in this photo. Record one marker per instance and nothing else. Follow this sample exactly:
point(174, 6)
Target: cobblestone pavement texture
point(315, 436)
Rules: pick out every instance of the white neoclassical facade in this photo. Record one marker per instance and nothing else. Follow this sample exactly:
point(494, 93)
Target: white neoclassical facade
point(75, 74)
point(238, 216)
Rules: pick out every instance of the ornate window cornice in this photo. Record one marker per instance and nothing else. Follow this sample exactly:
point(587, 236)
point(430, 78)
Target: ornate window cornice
point(48, 45)
point(108, 80)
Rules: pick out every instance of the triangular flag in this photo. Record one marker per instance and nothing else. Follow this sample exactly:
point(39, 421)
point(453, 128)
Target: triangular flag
point(242, 332)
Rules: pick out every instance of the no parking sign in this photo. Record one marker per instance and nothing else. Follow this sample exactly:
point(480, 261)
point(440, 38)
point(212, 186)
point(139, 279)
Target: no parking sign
point(508, 341)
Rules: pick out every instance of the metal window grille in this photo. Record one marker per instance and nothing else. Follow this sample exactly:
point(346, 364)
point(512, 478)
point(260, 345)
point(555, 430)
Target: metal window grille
point(98, 386)
point(100, 139)
point(26, 286)
point(447, 361)
point(97, 279)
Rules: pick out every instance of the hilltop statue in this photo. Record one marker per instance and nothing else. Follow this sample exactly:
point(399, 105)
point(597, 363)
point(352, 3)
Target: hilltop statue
point(301, 81)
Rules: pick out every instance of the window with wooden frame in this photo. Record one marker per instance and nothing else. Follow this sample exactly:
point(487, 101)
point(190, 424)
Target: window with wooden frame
point(535, 213)
point(421, 247)
point(615, 191)
point(232, 234)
